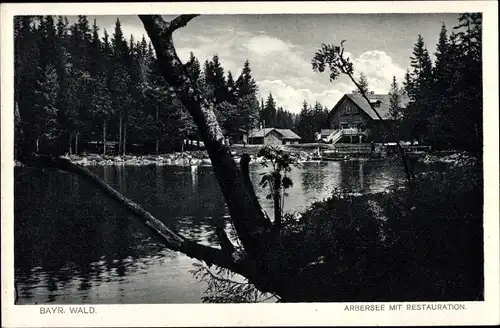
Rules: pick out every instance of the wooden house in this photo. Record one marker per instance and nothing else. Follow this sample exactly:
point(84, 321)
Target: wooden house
point(272, 136)
point(353, 120)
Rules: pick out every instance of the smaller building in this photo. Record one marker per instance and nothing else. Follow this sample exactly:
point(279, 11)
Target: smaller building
point(273, 136)
point(239, 136)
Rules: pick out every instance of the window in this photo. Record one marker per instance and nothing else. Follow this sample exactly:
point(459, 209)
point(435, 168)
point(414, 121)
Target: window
point(376, 104)
point(348, 109)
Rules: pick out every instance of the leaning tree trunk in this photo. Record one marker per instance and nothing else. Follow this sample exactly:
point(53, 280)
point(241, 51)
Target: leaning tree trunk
point(262, 261)
point(269, 270)
point(248, 218)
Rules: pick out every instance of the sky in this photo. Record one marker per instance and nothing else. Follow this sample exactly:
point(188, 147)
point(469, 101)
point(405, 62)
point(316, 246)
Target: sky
point(280, 48)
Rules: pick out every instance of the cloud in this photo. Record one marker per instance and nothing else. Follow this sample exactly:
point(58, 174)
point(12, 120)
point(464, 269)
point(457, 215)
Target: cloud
point(291, 98)
point(379, 68)
point(280, 67)
point(263, 45)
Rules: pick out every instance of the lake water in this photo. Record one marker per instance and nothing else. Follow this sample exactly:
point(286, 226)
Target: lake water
point(75, 246)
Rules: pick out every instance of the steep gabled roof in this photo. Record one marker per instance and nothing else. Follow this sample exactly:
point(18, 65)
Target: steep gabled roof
point(259, 133)
point(285, 133)
point(384, 99)
point(288, 134)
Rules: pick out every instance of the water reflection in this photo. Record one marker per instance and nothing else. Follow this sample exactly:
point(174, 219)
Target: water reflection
point(74, 245)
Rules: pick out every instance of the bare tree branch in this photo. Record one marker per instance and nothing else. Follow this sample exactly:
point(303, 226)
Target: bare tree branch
point(400, 147)
point(180, 21)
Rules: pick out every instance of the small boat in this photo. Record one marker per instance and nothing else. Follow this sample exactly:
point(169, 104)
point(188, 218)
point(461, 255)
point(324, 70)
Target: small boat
point(329, 156)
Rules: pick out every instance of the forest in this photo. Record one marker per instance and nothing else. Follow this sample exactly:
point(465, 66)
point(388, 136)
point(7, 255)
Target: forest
point(446, 96)
point(73, 86)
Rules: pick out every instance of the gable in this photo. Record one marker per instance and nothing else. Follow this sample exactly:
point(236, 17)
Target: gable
point(347, 107)
point(279, 133)
point(381, 102)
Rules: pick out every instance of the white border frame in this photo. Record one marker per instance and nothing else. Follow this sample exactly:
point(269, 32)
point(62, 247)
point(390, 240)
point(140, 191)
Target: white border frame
point(320, 314)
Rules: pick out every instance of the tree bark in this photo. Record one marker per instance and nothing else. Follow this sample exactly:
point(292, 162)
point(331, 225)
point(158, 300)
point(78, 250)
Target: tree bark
point(249, 221)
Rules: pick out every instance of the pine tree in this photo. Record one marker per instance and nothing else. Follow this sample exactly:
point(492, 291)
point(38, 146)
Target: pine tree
point(467, 90)
point(120, 80)
point(269, 112)
point(420, 90)
point(214, 76)
point(45, 107)
point(193, 67)
point(407, 83)
point(245, 84)
point(247, 109)
point(48, 43)
point(363, 84)
point(26, 76)
point(231, 88)
point(305, 125)
point(395, 100)
point(100, 101)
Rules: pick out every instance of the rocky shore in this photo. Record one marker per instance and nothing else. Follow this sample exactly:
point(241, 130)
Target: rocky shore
point(200, 158)
point(453, 158)
point(171, 159)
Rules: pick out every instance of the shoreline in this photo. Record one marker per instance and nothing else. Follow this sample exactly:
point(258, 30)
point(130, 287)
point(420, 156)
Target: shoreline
point(200, 158)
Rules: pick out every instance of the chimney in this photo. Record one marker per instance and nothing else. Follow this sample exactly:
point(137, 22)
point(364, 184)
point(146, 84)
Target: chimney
point(260, 126)
point(372, 92)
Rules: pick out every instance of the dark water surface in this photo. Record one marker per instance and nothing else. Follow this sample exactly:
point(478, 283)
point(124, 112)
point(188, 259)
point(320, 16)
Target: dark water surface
point(74, 245)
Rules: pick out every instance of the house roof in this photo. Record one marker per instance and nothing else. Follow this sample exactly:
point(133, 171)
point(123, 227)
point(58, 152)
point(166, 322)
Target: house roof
point(285, 133)
point(288, 134)
point(384, 99)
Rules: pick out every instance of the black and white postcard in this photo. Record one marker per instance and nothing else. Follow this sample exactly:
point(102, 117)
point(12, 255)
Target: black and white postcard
point(209, 164)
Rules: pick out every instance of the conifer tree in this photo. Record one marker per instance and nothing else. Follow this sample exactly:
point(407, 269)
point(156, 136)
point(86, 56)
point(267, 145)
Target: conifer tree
point(363, 83)
point(420, 90)
point(231, 88)
point(119, 79)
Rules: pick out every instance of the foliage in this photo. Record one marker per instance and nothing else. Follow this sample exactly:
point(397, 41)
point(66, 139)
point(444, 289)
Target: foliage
point(399, 245)
point(363, 84)
point(277, 180)
point(446, 98)
point(223, 288)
